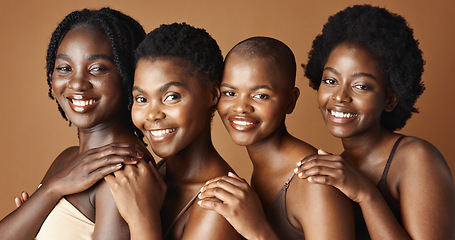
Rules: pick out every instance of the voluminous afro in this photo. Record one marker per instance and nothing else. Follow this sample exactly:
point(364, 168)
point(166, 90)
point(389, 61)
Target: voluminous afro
point(193, 45)
point(388, 36)
point(124, 33)
point(269, 48)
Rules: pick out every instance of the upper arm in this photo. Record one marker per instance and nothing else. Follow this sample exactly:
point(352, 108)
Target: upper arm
point(323, 211)
point(427, 192)
point(109, 224)
point(206, 224)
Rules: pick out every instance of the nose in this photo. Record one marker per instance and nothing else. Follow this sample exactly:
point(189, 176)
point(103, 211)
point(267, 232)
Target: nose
point(341, 94)
point(79, 82)
point(155, 113)
point(241, 105)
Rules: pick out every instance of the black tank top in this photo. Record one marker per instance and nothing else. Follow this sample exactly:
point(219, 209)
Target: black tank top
point(360, 225)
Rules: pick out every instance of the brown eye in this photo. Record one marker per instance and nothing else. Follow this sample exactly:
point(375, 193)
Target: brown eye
point(140, 99)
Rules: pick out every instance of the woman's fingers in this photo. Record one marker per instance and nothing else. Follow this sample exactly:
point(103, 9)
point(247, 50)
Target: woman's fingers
point(222, 190)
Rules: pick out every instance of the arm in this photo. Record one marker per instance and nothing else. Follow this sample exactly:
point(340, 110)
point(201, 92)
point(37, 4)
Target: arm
point(139, 193)
point(237, 202)
point(68, 174)
point(323, 212)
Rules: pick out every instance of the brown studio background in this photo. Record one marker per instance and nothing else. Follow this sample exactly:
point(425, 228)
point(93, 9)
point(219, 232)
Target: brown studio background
point(32, 132)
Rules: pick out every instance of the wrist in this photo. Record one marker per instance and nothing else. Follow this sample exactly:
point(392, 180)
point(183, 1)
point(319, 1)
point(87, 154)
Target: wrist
point(145, 228)
point(51, 192)
point(267, 233)
point(369, 195)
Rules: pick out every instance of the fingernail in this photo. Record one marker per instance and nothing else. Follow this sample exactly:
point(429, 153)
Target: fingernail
point(296, 169)
point(118, 165)
point(230, 174)
point(199, 202)
point(300, 174)
point(310, 179)
point(299, 163)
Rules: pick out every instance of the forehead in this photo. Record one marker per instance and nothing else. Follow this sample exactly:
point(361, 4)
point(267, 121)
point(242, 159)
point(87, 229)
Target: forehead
point(254, 71)
point(153, 73)
point(353, 57)
point(86, 39)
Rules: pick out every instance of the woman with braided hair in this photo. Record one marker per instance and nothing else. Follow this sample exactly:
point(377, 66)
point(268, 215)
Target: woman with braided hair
point(90, 69)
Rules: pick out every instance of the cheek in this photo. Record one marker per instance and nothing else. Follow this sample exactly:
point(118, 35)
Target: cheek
point(222, 107)
point(322, 97)
point(138, 116)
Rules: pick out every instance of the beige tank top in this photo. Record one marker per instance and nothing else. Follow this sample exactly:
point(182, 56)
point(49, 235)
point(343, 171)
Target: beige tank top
point(66, 222)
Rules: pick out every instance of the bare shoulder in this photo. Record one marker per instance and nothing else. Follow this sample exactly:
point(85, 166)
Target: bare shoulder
point(305, 195)
point(417, 156)
point(63, 158)
point(207, 224)
point(310, 203)
point(304, 148)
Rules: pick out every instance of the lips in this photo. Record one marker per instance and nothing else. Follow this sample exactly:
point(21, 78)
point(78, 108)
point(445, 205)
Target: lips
point(81, 104)
point(243, 123)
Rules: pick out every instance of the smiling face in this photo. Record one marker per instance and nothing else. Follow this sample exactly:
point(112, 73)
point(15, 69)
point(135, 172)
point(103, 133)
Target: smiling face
point(171, 106)
point(352, 95)
point(254, 99)
point(86, 82)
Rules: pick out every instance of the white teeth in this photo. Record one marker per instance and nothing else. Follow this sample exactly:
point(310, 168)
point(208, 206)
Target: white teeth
point(159, 133)
point(242, 123)
point(342, 115)
point(82, 103)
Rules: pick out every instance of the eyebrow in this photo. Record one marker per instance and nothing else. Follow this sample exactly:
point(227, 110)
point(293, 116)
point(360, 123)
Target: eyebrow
point(136, 88)
point(62, 56)
point(253, 88)
point(99, 56)
point(91, 57)
point(356, 74)
point(170, 84)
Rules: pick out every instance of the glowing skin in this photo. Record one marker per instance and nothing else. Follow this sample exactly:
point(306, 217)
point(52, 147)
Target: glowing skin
point(167, 98)
point(251, 99)
point(352, 95)
point(86, 82)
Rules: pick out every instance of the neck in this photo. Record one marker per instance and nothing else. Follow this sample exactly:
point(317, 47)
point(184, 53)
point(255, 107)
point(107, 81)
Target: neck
point(266, 153)
point(105, 133)
point(360, 149)
point(188, 164)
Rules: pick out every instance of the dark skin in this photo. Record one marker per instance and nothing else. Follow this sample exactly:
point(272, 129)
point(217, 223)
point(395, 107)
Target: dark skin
point(167, 97)
point(87, 85)
point(419, 178)
point(253, 107)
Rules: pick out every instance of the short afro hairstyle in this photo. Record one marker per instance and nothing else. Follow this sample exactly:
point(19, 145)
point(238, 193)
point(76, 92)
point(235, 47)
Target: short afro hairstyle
point(269, 48)
point(386, 35)
point(123, 32)
point(193, 45)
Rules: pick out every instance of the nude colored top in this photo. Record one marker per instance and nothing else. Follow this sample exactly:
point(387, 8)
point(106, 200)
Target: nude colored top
point(66, 222)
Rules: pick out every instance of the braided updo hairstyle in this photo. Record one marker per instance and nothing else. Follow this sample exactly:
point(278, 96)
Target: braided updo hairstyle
point(123, 32)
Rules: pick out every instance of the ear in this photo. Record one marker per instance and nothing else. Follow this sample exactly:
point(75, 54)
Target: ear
point(293, 96)
point(215, 93)
point(391, 103)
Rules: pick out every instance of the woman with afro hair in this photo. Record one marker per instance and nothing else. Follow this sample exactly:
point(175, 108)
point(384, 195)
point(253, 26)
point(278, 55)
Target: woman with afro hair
point(367, 68)
point(90, 69)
